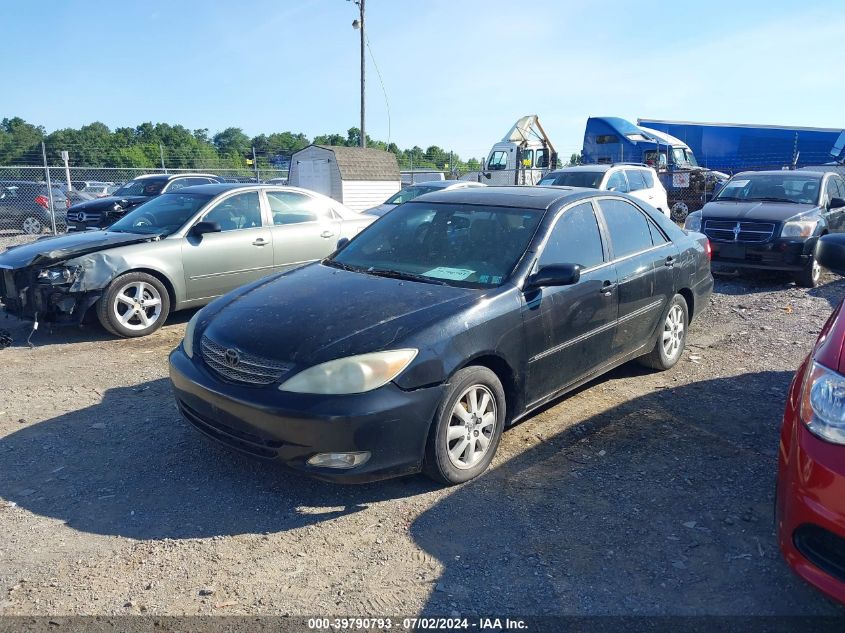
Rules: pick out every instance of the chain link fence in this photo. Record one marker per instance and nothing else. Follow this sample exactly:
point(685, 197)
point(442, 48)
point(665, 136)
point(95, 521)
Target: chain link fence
point(34, 200)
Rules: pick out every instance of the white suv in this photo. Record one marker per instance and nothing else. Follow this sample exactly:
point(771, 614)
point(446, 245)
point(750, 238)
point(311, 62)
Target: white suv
point(640, 181)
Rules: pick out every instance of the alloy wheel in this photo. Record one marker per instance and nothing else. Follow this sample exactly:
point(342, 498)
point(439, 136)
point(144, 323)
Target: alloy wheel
point(31, 226)
point(471, 426)
point(137, 305)
point(673, 332)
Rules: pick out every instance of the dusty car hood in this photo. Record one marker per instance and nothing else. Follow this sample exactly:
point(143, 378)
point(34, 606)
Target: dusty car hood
point(318, 313)
point(755, 210)
point(62, 247)
point(98, 204)
point(381, 209)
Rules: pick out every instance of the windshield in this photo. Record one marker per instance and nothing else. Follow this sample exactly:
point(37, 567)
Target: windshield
point(141, 187)
point(786, 187)
point(409, 193)
point(162, 215)
point(589, 179)
point(462, 245)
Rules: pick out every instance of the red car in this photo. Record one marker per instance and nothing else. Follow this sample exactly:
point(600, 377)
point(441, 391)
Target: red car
point(810, 510)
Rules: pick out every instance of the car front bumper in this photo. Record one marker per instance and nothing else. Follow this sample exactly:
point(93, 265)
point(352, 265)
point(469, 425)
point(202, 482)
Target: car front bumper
point(810, 502)
point(389, 423)
point(791, 255)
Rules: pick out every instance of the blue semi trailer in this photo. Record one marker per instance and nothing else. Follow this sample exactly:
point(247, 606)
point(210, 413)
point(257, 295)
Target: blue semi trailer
point(733, 147)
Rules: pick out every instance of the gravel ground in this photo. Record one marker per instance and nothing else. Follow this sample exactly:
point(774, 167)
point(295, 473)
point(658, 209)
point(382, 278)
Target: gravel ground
point(641, 493)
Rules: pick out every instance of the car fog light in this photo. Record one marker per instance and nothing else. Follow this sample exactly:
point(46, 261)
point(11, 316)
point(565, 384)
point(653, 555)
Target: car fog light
point(339, 460)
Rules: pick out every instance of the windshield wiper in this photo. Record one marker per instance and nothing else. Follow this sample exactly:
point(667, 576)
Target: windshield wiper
point(730, 198)
point(336, 264)
point(395, 274)
point(772, 199)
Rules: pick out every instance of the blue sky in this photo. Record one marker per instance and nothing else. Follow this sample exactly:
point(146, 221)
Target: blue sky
point(458, 73)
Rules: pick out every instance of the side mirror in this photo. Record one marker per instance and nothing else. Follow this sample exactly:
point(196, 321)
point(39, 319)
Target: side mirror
point(201, 228)
point(487, 175)
point(837, 203)
point(555, 275)
point(341, 243)
point(830, 252)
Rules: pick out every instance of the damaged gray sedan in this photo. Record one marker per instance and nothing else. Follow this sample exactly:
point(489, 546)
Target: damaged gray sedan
point(179, 250)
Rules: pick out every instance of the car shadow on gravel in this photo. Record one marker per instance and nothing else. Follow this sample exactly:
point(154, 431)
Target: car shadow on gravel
point(49, 334)
point(661, 505)
point(131, 467)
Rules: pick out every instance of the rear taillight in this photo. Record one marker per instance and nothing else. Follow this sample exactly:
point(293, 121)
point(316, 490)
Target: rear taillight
point(42, 201)
point(67, 203)
point(708, 249)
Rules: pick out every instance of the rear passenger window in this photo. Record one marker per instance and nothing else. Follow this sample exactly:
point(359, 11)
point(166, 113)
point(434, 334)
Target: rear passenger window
point(635, 179)
point(629, 230)
point(575, 239)
point(288, 207)
point(648, 179)
point(617, 182)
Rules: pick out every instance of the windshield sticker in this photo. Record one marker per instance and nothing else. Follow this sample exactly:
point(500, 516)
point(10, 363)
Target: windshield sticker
point(737, 183)
point(454, 274)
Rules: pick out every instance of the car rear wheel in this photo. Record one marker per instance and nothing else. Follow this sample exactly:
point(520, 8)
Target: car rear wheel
point(31, 225)
point(810, 276)
point(134, 304)
point(672, 337)
point(467, 427)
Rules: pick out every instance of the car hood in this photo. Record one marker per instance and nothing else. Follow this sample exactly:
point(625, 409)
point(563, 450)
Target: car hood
point(381, 209)
point(98, 204)
point(755, 210)
point(62, 247)
point(318, 313)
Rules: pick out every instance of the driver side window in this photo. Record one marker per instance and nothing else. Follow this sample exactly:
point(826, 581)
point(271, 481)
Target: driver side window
point(575, 239)
point(241, 211)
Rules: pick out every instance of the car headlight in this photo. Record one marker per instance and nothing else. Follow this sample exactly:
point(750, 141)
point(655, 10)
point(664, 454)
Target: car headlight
point(353, 374)
point(188, 341)
point(799, 228)
point(58, 274)
point(693, 221)
point(823, 403)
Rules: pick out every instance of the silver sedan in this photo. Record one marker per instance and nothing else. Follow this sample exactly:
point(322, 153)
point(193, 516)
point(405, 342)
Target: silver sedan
point(179, 250)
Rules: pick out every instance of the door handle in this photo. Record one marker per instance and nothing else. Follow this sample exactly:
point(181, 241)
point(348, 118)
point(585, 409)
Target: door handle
point(260, 242)
point(326, 234)
point(670, 262)
point(607, 288)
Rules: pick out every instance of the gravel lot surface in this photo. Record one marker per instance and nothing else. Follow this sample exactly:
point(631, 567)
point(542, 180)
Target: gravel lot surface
point(646, 493)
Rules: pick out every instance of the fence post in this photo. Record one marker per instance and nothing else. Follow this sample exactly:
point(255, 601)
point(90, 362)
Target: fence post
point(66, 158)
point(49, 188)
point(161, 153)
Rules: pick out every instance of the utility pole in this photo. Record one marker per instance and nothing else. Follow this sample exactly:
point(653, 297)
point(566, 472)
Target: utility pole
point(161, 153)
point(359, 24)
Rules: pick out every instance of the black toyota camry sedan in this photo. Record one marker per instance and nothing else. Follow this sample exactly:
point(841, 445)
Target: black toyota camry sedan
point(455, 315)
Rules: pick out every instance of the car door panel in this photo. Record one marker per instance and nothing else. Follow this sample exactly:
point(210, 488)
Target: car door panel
point(215, 263)
point(304, 229)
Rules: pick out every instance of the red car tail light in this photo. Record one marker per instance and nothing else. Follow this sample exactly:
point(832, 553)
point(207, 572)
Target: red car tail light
point(42, 201)
point(67, 203)
point(709, 250)
point(823, 403)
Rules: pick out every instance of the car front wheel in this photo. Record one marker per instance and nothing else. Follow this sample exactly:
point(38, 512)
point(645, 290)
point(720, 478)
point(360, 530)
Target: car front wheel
point(134, 304)
point(467, 427)
point(672, 337)
point(809, 277)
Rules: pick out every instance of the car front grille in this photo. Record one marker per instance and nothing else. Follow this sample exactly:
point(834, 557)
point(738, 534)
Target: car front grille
point(234, 365)
point(84, 216)
point(739, 231)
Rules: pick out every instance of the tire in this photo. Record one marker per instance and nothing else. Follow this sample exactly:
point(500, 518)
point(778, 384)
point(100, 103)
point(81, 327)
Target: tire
point(457, 466)
point(810, 276)
point(31, 225)
point(119, 301)
point(679, 212)
point(672, 337)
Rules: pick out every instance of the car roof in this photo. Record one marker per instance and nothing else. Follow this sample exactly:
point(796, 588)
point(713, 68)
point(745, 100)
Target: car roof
point(222, 187)
point(779, 172)
point(596, 167)
point(172, 176)
point(514, 196)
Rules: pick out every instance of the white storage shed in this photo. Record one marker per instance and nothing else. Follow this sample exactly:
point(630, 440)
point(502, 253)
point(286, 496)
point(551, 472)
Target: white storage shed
point(360, 178)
